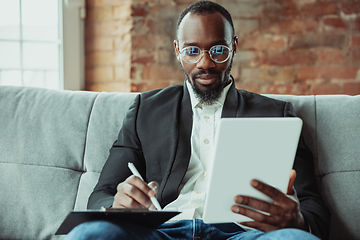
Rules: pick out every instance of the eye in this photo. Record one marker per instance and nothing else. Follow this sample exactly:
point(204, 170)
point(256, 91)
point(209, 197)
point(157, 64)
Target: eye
point(191, 51)
point(218, 49)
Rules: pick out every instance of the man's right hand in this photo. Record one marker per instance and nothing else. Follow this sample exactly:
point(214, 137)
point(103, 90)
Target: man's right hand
point(135, 193)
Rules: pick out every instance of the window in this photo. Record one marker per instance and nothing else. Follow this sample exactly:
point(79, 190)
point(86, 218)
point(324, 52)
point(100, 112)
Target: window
point(33, 49)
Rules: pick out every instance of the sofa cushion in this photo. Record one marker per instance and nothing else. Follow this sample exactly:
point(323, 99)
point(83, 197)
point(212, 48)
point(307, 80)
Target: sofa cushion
point(42, 138)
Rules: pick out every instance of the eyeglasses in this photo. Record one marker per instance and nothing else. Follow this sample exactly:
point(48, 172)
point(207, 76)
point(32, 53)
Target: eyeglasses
point(218, 53)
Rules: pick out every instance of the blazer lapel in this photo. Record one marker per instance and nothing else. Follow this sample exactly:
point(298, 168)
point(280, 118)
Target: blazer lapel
point(231, 104)
point(183, 151)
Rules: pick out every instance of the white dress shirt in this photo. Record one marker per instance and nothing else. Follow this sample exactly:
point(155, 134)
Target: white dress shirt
point(194, 185)
point(191, 199)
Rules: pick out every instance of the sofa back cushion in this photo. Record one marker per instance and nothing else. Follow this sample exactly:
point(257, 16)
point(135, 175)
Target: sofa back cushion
point(332, 131)
point(53, 145)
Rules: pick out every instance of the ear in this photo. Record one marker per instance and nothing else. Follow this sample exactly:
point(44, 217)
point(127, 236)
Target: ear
point(176, 47)
point(235, 44)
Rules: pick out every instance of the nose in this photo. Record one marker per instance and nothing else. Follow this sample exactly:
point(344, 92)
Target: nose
point(205, 61)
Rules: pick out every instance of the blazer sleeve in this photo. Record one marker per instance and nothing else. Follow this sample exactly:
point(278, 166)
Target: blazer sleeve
point(126, 148)
point(312, 206)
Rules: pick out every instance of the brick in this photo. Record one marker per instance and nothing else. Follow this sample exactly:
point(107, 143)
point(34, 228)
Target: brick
point(99, 74)
point(99, 14)
point(102, 3)
point(99, 44)
point(278, 89)
point(292, 26)
point(311, 40)
point(301, 57)
point(139, 26)
point(305, 41)
point(330, 56)
point(244, 57)
point(243, 26)
point(335, 40)
point(279, 9)
point(139, 10)
point(121, 57)
point(249, 86)
point(108, 29)
point(355, 57)
point(109, 87)
point(161, 26)
point(243, 9)
point(122, 72)
point(335, 22)
point(352, 7)
point(143, 41)
point(99, 58)
point(137, 72)
point(264, 42)
point(147, 86)
point(318, 9)
point(122, 11)
point(268, 74)
point(294, 88)
point(351, 88)
point(307, 73)
point(142, 59)
point(357, 24)
point(325, 88)
point(165, 56)
point(162, 72)
point(355, 41)
point(123, 43)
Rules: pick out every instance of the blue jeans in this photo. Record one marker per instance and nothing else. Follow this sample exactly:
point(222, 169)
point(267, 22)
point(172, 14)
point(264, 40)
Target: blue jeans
point(186, 229)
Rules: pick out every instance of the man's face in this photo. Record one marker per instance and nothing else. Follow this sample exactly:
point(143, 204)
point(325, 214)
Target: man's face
point(207, 77)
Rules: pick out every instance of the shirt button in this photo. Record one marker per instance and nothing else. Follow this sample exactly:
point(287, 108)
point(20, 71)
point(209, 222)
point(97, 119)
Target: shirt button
point(207, 117)
point(198, 192)
point(206, 141)
point(205, 174)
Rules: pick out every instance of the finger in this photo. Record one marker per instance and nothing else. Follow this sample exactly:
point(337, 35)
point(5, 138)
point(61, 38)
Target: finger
point(124, 201)
point(138, 183)
point(290, 189)
point(257, 216)
point(154, 188)
point(137, 191)
point(270, 191)
point(257, 204)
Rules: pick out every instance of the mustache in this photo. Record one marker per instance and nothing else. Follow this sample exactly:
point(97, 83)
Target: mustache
point(205, 72)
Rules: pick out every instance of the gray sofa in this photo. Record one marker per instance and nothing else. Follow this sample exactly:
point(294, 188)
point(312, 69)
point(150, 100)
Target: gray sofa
point(53, 145)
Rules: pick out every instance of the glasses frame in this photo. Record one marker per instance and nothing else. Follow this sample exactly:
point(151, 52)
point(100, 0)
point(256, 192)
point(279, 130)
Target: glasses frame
point(208, 51)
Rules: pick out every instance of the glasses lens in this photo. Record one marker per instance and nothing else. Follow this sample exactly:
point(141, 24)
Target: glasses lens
point(191, 54)
point(219, 53)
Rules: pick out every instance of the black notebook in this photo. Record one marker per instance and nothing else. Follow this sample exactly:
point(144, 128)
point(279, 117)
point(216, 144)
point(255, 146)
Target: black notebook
point(143, 217)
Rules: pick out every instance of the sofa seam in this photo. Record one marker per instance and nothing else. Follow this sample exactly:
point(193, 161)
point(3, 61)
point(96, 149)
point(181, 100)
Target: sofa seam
point(87, 131)
point(84, 150)
point(316, 136)
point(37, 165)
point(343, 171)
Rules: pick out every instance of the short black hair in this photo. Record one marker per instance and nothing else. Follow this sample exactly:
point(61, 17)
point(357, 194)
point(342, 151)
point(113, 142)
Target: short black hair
point(205, 7)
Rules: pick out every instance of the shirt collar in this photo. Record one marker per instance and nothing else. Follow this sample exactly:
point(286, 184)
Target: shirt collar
point(195, 101)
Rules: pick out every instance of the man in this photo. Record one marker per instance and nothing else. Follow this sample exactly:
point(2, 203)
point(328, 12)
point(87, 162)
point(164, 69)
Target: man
point(163, 135)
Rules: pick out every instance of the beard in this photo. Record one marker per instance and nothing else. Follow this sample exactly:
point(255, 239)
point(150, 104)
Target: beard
point(209, 95)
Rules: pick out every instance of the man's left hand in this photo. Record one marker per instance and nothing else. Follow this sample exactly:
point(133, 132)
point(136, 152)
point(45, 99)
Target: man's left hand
point(283, 213)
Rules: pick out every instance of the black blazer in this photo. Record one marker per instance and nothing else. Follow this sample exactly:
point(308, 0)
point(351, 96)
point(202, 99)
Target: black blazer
point(156, 137)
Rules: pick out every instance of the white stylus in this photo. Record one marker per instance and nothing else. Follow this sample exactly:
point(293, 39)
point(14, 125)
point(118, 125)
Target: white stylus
point(136, 173)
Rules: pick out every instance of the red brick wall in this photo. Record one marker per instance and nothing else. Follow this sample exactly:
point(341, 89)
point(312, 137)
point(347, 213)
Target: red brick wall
point(285, 46)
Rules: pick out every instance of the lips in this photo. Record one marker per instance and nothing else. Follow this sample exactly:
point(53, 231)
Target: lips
point(206, 79)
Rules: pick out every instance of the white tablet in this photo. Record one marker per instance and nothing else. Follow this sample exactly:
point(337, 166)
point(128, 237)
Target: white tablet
point(246, 149)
